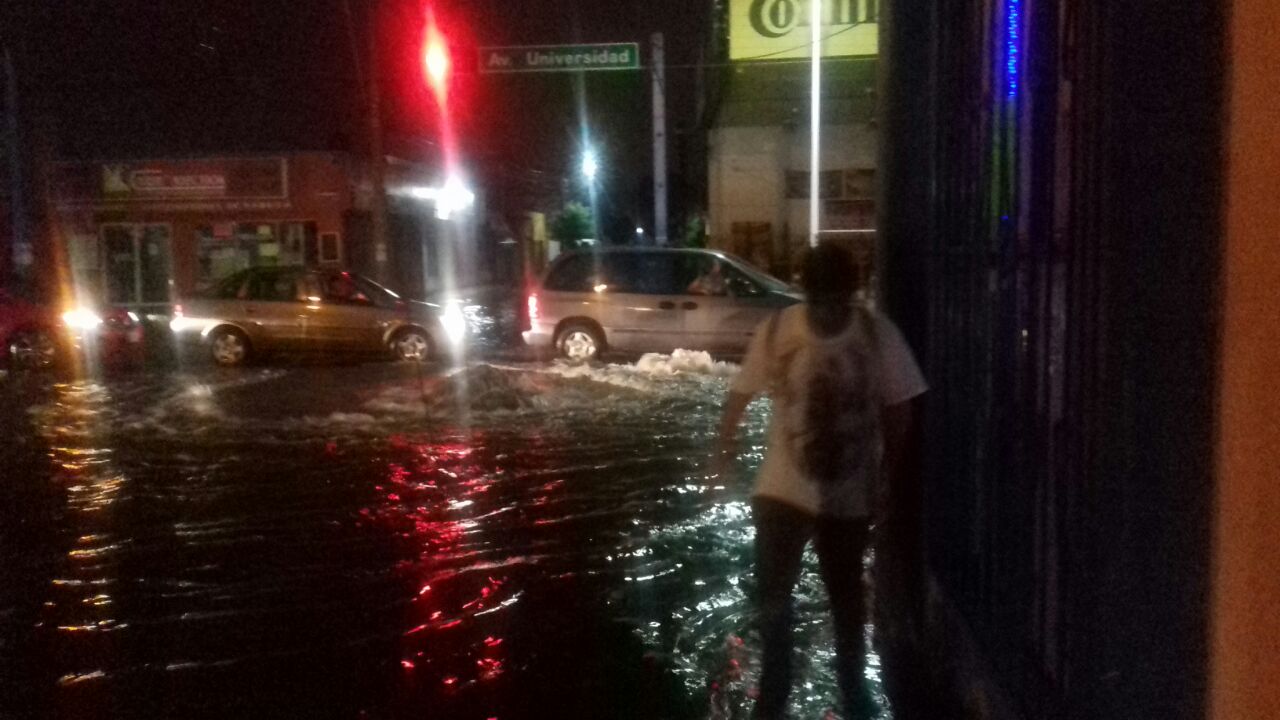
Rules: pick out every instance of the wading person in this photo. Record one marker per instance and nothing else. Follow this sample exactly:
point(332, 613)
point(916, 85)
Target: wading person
point(841, 378)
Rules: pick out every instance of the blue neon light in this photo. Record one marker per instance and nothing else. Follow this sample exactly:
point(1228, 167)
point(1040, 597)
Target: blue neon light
point(1012, 49)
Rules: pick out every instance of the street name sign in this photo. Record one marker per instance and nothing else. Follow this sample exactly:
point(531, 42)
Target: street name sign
point(560, 58)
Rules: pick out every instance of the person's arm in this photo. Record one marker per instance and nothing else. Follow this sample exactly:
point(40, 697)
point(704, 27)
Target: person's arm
point(750, 381)
point(726, 448)
point(734, 408)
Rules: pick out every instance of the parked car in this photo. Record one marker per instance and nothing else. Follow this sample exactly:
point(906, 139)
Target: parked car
point(651, 300)
point(108, 337)
point(266, 310)
point(36, 336)
point(28, 333)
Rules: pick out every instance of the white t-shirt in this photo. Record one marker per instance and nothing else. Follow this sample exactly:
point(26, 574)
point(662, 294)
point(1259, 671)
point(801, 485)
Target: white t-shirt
point(824, 445)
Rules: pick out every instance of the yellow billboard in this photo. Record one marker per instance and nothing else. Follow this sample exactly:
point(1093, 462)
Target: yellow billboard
point(779, 29)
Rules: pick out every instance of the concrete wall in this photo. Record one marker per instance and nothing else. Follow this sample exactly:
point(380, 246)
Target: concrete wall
point(747, 169)
point(1246, 596)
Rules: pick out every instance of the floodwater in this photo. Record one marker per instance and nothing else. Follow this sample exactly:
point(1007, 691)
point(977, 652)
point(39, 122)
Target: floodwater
point(506, 541)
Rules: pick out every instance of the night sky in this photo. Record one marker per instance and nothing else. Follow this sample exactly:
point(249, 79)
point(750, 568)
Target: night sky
point(145, 78)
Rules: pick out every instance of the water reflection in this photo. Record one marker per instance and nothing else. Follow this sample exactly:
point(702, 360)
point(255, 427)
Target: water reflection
point(344, 552)
point(81, 604)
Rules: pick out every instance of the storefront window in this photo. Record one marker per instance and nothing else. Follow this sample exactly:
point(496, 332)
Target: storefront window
point(227, 248)
point(330, 248)
point(295, 237)
point(136, 263)
point(84, 254)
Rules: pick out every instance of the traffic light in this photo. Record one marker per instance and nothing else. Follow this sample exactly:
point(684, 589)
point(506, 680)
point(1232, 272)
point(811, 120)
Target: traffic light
point(436, 63)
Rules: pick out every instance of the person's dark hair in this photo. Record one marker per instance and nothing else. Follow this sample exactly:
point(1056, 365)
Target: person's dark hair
point(828, 274)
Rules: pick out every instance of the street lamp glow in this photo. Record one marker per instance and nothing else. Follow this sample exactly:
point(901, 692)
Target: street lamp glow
point(454, 196)
point(590, 166)
point(451, 197)
point(639, 230)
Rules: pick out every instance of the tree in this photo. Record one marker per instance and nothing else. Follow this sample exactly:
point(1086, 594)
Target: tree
point(694, 234)
point(573, 225)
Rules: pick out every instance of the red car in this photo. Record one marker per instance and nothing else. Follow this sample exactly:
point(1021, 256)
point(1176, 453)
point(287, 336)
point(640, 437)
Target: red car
point(36, 337)
point(29, 334)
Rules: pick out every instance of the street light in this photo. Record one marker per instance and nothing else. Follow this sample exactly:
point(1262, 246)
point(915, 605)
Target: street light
point(590, 166)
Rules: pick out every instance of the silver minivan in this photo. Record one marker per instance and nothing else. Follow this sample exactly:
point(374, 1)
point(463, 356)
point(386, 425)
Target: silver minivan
point(637, 300)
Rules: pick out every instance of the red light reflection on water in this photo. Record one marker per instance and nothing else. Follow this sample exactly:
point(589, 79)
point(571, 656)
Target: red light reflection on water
point(425, 501)
point(489, 668)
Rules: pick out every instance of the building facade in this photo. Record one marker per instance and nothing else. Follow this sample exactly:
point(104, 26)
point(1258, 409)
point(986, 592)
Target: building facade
point(1078, 226)
point(759, 139)
point(140, 233)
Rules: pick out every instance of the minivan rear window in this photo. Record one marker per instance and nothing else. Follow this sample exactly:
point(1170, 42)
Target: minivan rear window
point(573, 274)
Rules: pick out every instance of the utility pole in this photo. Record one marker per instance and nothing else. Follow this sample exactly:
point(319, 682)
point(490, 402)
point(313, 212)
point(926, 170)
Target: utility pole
point(368, 75)
point(659, 140)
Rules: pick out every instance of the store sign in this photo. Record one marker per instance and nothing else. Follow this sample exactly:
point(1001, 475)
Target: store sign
point(123, 180)
point(245, 179)
point(780, 29)
point(560, 58)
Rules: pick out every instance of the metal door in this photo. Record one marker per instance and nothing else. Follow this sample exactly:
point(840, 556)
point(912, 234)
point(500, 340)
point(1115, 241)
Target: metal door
point(137, 264)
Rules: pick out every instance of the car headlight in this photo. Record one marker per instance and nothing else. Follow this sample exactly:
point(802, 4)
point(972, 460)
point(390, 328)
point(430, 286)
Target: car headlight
point(81, 319)
point(454, 323)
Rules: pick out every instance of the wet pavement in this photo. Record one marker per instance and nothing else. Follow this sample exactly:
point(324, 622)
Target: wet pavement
point(366, 541)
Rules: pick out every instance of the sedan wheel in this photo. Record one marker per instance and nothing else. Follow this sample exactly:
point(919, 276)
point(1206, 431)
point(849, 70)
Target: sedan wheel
point(579, 344)
point(34, 350)
point(411, 345)
point(229, 348)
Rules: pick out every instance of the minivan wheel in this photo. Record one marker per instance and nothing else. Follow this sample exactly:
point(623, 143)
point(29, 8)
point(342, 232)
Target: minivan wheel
point(579, 342)
point(411, 345)
point(229, 348)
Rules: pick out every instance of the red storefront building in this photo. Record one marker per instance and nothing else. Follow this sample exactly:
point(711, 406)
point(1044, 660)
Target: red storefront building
point(141, 233)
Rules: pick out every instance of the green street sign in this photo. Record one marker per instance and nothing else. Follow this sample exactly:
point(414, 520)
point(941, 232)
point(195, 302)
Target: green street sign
point(560, 58)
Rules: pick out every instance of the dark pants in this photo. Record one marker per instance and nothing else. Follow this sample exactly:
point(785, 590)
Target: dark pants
point(782, 531)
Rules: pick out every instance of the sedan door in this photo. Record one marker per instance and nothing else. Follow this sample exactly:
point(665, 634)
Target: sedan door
point(346, 318)
point(270, 308)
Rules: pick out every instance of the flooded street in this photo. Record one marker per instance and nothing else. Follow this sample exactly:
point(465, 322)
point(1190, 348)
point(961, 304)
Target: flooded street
point(504, 541)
